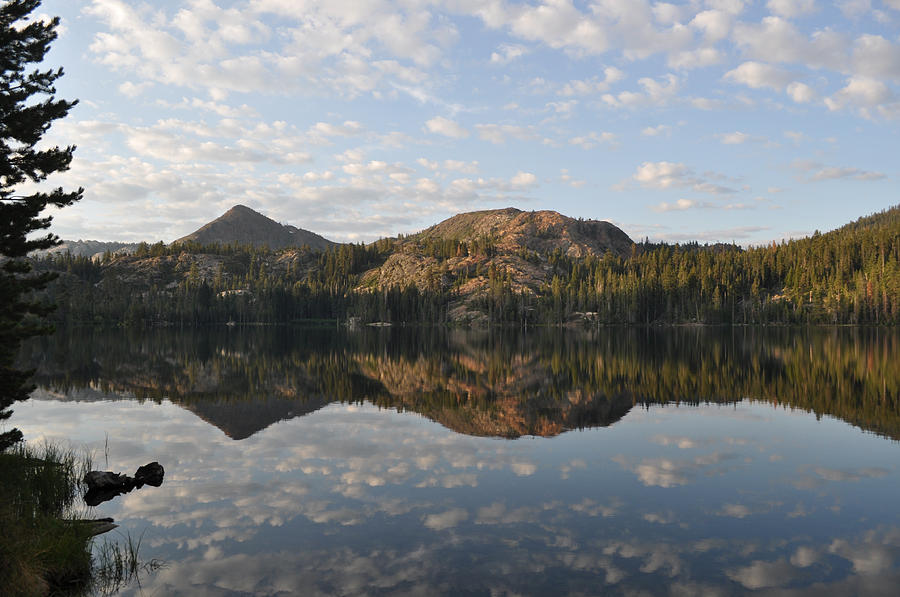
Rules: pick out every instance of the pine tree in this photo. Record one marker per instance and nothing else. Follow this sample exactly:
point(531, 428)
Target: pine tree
point(27, 109)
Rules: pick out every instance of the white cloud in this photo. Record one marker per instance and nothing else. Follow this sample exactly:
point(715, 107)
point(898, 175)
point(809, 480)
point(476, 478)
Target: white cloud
point(870, 557)
point(759, 574)
point(133, 90)
point(523, 180)
point(679, 205)
point(567, 179)
point(460, 166)
point(498, 513)
point(852, 475)
point(563, 109)
point(506, 53)
point(791, 8)
point(735, 138)
point(347, 129)
point(733, 7)
point(735, 511)
point(226, 50)
point(860, 92)
point(654, 93)
point(668, 14)
point(593, 85)
point(557, 24)
point(805, 556)
point(869, 62)
point(662, 175)
point(855, 8)
point(445, 520)
point(855, 173)
point(778, 41)
point(638, 29)
point(875, 56)
point(662, 472)
point(592, 139)
point(686, 204)
point(498, 133)
point(715, 24)
point(800, 92)
point(653, 131)
point(669, 175)
point(757, 75)
point(699, 58)
point(817, 172)
point(444, 126)
point(428, 164)
point(221, 109)
point(706, 103)
point(523, 469)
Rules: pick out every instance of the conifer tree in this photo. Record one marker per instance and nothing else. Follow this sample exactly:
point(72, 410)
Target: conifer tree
point(27, 109)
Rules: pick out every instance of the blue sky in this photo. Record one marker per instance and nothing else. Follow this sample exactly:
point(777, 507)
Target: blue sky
point(709, 120)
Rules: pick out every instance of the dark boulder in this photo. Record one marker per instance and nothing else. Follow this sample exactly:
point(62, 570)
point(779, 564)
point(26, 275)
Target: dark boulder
point(105, 485)
point(106, 480)
point(149, 474)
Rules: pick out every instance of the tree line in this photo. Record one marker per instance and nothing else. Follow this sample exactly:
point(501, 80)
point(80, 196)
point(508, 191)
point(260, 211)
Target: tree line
point(848, 276)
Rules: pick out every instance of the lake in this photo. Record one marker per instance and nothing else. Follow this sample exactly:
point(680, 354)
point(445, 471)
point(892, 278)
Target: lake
point(616, 461)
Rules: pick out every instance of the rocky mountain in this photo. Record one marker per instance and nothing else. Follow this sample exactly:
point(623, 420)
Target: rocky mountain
point(242, 225)
point(466, 251)
point(512, 230)
point(471, 261)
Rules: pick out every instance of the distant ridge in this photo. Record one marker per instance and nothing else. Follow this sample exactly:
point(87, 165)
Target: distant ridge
point(244, 226)
point(90, 248)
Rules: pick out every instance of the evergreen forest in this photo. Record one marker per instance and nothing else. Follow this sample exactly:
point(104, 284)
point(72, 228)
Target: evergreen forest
point(847, 276)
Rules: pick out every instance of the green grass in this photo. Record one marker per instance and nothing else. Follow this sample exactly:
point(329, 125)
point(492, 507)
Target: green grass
point(41, 551)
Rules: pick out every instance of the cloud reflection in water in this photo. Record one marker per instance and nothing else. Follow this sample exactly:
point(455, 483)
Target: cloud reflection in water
point(360, 500)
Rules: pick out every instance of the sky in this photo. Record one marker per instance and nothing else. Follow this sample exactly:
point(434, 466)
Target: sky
point(711, 120)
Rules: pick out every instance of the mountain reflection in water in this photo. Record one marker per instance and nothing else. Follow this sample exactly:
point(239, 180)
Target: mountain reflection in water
point(709, 477)
point(503, 384)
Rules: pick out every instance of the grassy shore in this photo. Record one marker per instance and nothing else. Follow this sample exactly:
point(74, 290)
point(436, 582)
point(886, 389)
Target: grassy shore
point(43, 550)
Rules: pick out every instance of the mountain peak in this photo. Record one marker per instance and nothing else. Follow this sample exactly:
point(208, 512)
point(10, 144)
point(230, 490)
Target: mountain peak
point(245, 226)
point(241, 209)
point(541, 231)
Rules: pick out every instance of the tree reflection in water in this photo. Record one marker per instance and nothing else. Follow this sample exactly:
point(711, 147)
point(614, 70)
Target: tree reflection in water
point(490, 383)
point(697, 486)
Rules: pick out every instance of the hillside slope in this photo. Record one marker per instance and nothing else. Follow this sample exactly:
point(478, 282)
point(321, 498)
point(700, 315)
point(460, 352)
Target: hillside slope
point(242, 225)
point(470, 252)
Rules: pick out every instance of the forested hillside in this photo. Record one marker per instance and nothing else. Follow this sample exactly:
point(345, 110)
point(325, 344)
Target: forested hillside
point(523, 268)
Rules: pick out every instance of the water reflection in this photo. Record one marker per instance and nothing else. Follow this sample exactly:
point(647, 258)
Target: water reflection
point(362, 496)
point(502, 384)
point(356, 500)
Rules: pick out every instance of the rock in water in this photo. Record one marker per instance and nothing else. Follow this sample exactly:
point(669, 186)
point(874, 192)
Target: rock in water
point(105, 485)
point(106, 480)
point(149, 474)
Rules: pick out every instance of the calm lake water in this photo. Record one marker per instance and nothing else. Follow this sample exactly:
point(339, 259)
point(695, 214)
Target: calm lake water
point(424, 462)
